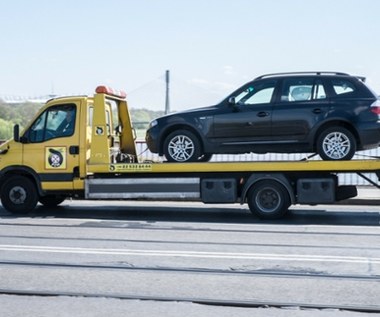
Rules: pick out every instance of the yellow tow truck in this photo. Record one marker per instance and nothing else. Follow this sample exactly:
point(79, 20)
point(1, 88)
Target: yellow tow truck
point(84, 147)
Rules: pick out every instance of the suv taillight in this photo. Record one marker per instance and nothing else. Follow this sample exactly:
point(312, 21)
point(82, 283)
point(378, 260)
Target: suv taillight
point(375, 108)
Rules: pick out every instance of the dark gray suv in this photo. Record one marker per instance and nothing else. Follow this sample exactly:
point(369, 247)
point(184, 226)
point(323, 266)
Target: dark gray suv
point(331, 114)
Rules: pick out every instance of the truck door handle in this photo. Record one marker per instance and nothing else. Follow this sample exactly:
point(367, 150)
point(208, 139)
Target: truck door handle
point(74, 149)
point(317, 110)
point(262, 114)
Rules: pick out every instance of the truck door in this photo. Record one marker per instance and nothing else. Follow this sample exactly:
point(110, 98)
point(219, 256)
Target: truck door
point(51, 146)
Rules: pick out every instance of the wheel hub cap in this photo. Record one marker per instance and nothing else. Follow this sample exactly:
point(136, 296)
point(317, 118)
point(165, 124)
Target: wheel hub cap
point(17, 195)
point(181, 148)
point(268, 200)
point(336, 145)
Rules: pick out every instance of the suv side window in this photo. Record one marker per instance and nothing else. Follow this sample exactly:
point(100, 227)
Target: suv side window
point(302, 89)
point(256, 93)
point(342, 86)
point(319, 90)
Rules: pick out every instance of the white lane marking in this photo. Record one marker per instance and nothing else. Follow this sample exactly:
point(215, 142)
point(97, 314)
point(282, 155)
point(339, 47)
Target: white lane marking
point(193, 254)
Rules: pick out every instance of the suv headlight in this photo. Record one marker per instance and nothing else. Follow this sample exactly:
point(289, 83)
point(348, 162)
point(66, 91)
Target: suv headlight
point(152, 124)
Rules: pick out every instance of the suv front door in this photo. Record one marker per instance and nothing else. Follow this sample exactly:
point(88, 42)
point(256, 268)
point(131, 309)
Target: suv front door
point(247, 115)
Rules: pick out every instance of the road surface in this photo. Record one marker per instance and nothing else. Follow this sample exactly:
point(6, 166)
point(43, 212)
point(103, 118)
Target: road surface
point(188, 259)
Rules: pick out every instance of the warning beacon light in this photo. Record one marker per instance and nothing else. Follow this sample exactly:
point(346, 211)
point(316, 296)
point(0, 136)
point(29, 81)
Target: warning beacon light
point(112, 92)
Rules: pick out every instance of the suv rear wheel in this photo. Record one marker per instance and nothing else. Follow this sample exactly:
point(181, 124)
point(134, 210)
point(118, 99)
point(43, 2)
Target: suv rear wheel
point(336, 143)
point(182, 146)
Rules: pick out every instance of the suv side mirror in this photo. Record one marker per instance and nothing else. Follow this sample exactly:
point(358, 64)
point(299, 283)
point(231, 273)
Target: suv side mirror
point(232, 101)
point(235, 106)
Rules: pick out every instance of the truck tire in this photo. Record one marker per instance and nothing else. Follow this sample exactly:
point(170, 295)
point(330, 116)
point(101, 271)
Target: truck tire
point(268, 199)
point(19, 194)
point(182, 146)
point(51, 200)
point(336, 144)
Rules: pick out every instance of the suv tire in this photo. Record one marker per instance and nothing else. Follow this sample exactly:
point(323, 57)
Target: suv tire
point(182, 146)
point(336, 144)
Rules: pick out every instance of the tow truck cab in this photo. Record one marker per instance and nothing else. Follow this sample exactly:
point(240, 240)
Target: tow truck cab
point(84, 147)
point(65, 137)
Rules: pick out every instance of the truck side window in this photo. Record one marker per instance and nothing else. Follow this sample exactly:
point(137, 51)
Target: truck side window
point(55, 122)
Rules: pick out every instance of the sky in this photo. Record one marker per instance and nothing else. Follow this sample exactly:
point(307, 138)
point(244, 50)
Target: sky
point(211, 47)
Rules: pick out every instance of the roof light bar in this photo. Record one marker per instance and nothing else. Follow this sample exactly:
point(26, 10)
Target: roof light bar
point(112, 92)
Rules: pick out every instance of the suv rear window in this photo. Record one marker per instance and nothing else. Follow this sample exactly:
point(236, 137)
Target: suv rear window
point(342, 86)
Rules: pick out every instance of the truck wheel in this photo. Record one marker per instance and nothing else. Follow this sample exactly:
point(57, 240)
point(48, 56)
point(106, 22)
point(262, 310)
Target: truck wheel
point(51, 200)
point(336, 143)
point(182, 146)
point(19, 194)
point(268, 199)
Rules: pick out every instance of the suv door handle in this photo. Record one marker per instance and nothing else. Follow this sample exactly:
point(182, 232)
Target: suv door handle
point(262, 114)
point(317, 111)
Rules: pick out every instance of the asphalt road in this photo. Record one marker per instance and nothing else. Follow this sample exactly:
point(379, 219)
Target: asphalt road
point(189, 259)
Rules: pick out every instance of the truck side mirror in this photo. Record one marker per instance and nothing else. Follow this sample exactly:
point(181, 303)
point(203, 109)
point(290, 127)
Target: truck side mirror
point(16, 133)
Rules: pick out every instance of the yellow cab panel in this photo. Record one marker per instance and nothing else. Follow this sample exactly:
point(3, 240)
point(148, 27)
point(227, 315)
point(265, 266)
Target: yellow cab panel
point(51, 144)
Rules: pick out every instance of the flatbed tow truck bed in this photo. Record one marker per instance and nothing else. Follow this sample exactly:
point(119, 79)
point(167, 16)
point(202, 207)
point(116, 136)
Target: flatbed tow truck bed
point(96, 159)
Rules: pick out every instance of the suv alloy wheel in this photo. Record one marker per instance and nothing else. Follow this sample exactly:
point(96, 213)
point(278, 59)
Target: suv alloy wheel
point(336, 143)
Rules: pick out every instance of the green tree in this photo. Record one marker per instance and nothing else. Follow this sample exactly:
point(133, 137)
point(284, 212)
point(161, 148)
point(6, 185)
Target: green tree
point(142, 117)
point(6, 129)
point(22, 114)
point(11, 114)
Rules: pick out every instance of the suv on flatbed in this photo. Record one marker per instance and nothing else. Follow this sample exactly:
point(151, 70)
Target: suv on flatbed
point(328, 113)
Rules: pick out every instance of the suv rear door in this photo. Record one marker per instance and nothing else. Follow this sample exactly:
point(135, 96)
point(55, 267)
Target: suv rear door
point(301, 105)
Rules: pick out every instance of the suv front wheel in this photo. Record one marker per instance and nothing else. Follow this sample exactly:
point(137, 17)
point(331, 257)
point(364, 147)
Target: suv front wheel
point(182, 146)
point(336, 144)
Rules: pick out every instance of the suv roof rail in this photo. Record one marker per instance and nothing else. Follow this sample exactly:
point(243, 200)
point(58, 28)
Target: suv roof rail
point(303, 73)
point(361, 78)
